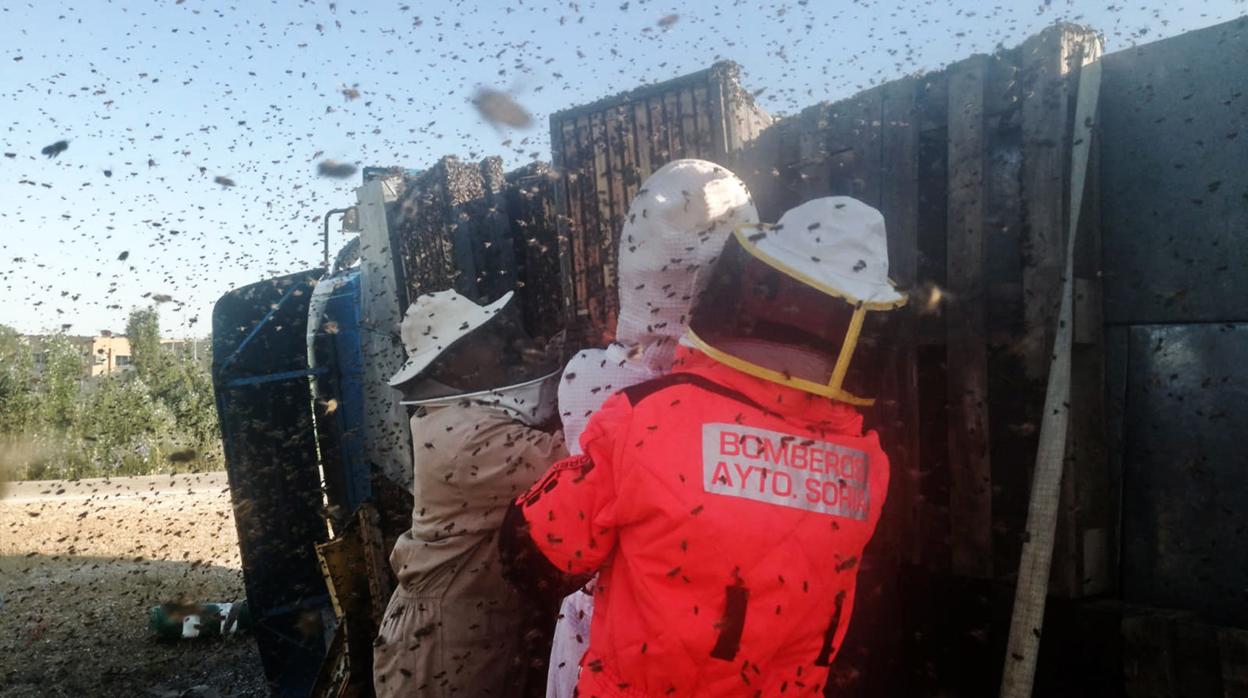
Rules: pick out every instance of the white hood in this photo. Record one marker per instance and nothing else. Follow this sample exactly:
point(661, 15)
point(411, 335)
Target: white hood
point(675, 229)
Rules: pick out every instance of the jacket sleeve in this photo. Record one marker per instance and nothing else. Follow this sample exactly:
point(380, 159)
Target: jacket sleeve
point(573, 512)
point(499, 464)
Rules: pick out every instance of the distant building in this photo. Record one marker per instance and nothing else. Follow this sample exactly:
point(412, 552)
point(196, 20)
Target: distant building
point(103, 354)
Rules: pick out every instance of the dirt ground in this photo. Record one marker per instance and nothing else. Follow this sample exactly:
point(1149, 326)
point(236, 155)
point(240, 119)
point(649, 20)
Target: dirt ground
point(82, 563)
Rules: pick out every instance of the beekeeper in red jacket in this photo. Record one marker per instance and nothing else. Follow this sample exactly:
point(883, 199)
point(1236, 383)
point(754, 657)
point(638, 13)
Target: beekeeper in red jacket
point(726, 505)
point(675, 230)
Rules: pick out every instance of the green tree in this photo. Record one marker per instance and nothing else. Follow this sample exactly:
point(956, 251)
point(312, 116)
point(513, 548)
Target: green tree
point(123, 431)
point(181, 384)
point(60, 382)
point(17, 384)
point(157, 418)
point(143, 331)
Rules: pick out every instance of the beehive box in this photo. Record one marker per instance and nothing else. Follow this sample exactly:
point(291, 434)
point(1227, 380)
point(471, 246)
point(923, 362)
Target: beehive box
point(451, 231)
point(601, 154)
point(534, 232)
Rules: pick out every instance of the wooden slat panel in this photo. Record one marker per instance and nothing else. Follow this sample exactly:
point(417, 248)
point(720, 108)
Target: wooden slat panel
point(602, 274)
point(899, 202)
point(862, 135)
point(815, 127)
point(560, 134)
point(530, 208)
point(688, 126)
point(1047, 81)
point(1045, 144)
point(630, 175)
point(1016, 406)
point(873, 661)
point(724, 137)
point(617, 201)
point(642, 140)
point(1092, 510)
point(702, 120)
point(1085, 558)
point(671, 114)
point(970, 466)
point(588, 262)
point(934, 535)
point(620, 141)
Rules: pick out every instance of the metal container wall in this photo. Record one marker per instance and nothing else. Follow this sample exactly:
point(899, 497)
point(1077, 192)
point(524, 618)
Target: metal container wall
point(264, 402)
point(334, 344)
point(1175, 217)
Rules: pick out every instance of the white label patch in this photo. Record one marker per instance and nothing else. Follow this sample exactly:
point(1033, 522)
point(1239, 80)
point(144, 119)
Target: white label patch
point(778, 468)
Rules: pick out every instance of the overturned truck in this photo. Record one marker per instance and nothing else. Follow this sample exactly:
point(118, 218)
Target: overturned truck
point(971, 166)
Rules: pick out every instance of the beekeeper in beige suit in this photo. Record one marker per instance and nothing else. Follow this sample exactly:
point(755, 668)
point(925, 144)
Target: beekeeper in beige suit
point(481, 389)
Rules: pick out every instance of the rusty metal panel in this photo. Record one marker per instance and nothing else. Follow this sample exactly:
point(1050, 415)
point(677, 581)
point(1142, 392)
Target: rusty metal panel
point(1185, 527)
point(602, 153)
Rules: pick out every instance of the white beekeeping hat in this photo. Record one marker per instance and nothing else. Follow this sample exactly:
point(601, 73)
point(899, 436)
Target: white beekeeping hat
point(787, 302)
point(434, 322)
point(837, 244)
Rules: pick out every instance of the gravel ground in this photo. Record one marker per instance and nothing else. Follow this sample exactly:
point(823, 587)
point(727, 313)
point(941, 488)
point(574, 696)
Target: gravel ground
point(81, 564)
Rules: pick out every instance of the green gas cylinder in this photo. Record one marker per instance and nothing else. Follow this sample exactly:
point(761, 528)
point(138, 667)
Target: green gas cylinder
point(184, 621)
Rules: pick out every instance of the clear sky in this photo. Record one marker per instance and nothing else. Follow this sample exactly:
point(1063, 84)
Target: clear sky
point(169, 94)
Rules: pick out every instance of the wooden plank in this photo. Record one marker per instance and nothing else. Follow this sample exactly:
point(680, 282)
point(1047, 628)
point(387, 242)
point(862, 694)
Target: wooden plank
point(559, 135)
point(863, 114)
point(529, 199)
point(629, 172)
point(815, 127)
point(381, 579)
point(1045, 144)
point(969, 461)
point(574, 226)
point(899, 197)
point(588, 225)
point(604, 299)
point(1016, 401)
point(688, 126)
point(786, 172)
point(660, 141)
point(758, 164)
point(899, 202)
point(671, 118)
point(1089, 511)
point(617, 202)
point(702, 120)
point(724, 136)
point(641, 141)
point(1050, 68)
point(935, 537)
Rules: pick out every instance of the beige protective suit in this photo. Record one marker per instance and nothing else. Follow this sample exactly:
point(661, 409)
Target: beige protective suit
point(453, 625)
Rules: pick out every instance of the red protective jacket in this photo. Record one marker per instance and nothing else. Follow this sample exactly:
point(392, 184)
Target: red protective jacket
point(728, 515)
